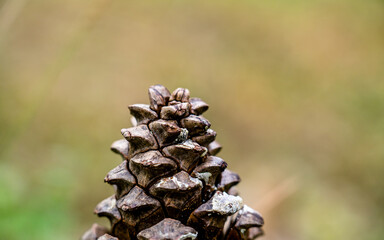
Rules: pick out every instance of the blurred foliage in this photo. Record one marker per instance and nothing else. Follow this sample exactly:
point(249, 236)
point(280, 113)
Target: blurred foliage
point(295, 89)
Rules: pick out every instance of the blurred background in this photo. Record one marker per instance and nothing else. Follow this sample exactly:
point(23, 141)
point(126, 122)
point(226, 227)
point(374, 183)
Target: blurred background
point(295, 90)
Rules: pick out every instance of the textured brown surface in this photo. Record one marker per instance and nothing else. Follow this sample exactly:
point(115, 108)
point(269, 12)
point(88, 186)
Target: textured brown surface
point(107, 208)
point(121, 178)
point(168, 229)
point(181, 194)
point(94, 232)
point(107, 237)
point(170, 185)
point(151, 165)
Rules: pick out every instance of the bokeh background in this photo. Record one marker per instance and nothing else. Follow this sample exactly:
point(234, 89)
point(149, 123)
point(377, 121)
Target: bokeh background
point(295, 90)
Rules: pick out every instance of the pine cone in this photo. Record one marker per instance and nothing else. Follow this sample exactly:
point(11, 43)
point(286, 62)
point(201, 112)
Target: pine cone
point(170, 185)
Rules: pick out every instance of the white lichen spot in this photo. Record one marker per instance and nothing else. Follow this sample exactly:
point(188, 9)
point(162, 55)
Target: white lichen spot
point(183, 136)
point(195, 180)
point(204, 176)
point(225, 204)
point(179, 184)
point(189, 144)
point(161, 182)
point(210, 131)
point(189, 236)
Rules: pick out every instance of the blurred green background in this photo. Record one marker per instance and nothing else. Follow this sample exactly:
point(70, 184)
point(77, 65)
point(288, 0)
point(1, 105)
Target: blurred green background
point(295, 90)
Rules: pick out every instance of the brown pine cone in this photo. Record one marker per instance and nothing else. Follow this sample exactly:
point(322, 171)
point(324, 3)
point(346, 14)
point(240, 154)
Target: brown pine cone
point(170, 185)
